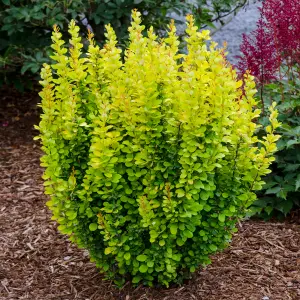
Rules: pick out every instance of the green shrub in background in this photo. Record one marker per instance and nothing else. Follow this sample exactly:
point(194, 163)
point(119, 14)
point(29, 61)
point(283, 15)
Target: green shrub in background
point(149, 162)
point(272, 54)
point(25, 26)
point(282, 189)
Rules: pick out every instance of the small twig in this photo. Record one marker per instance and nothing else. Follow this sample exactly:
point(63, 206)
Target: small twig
point(273, 244)
point(5, 287)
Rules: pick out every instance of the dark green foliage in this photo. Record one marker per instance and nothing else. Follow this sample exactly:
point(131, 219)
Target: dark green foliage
point(282, 190)
point(272, 54)
point(25, 26)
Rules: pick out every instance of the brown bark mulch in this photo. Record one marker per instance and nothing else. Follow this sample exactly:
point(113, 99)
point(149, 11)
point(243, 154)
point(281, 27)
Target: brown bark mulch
point(36, 262)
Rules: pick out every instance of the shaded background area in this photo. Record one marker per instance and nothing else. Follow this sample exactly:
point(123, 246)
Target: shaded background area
point(25, 26)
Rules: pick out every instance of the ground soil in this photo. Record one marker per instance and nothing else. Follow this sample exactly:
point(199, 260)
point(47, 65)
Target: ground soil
point(36, 262)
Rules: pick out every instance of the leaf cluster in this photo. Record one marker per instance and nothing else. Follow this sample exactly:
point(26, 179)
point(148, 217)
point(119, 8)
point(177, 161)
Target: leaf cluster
point(281, 193)
point(151, 161)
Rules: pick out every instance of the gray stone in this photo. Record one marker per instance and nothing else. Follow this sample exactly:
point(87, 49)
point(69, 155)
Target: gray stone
point(235, 25)
point(243, 22)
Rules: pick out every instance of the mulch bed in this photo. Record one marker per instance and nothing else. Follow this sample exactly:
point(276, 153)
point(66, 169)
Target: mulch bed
point(36, 262)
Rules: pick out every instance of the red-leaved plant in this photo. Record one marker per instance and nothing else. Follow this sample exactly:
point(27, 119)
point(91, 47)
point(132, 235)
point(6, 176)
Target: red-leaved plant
point(274, 43)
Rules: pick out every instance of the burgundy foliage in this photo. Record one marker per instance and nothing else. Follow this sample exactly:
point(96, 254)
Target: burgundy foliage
point(283, 18)
point(275, 41)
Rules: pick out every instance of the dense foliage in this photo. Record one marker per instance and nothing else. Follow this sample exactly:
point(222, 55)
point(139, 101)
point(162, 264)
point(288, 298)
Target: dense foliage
point(282, 190)
point(26, 25)
point(150, 162)
point(272, 54)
